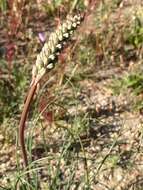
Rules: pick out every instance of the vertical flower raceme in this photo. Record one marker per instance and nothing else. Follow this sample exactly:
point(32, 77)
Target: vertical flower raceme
point(47, 58)
point(45, 62)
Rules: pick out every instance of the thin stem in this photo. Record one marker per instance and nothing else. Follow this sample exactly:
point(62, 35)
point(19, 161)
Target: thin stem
point(23, 120)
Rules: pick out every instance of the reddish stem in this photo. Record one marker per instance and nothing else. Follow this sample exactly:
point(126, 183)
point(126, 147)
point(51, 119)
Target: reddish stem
point(23, 120)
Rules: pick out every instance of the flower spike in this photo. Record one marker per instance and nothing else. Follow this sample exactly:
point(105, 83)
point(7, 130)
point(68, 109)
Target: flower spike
point(47, 58)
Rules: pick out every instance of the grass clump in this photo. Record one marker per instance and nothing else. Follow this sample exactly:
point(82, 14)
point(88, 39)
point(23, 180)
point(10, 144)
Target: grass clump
point(134, 34)
point(131, 83)
point(11, 89)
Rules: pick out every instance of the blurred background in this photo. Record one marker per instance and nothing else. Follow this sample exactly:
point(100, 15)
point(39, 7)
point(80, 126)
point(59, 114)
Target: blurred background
point(86, 119)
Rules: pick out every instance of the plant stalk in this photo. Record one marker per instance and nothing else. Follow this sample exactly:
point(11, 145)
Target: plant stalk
point(22, 126)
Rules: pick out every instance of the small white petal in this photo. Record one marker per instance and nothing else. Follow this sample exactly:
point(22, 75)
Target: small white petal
point(66, 35)
point(74, 25)
point(50, 66)
point(52, 57)
point(59, 46)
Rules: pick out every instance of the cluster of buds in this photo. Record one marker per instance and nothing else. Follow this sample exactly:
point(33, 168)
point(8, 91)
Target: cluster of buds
point(47, 58)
